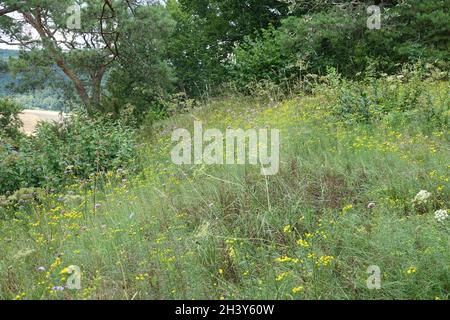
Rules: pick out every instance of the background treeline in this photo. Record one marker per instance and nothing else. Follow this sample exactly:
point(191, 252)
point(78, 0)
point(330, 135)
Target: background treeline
point(200, 47)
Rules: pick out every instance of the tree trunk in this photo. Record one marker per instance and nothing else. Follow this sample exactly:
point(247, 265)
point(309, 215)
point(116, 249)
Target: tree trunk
point(96, 81)
point(49, 44)
point(77, 82)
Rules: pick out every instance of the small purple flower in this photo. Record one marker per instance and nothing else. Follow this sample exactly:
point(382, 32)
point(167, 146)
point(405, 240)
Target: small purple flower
point(97, 205)
point(58, 288)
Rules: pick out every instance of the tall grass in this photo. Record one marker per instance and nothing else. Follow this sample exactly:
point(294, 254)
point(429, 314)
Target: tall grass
point(341, 202)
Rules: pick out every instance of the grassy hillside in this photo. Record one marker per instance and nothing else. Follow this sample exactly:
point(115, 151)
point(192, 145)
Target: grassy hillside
point(353, 158)
point(5, 54)
point(47, 99)
point(5, 77)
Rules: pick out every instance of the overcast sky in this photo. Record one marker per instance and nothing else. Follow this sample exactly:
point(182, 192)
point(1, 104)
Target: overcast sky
point(5, 46)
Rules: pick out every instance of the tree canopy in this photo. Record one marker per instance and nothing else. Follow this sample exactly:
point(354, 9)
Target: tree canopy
point(112, 53)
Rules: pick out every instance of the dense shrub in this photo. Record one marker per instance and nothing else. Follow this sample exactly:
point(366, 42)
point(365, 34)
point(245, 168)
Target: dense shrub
point(60, 154)
point(405, 95)
point(339, 37)
point(10, 122)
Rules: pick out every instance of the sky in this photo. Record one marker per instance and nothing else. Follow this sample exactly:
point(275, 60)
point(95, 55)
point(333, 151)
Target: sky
point(5, 46)
point(18, 16)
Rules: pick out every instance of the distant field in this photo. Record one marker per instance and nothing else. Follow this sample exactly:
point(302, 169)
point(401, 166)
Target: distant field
point(31, 118)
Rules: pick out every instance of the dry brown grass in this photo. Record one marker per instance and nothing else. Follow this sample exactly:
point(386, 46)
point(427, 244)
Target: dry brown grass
point(31, 118)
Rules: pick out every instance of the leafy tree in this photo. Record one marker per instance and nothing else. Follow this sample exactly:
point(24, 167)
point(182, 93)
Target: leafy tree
point(413, 30)
point(81, 52)
point(207, 32)
point(143, 76)
point(307, 44)
point(338, 37)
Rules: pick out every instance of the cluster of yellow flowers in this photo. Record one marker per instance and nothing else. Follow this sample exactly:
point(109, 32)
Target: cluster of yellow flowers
point(411, 270)
point(286, 259)
point(302, 243)
point(296, 290)
point(324, 261)
point(287, 229)
point(141, 277)
point(347, 208)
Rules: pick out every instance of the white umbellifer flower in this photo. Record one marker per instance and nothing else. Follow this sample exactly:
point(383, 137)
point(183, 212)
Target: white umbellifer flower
point(441, 215)
point(422, 197)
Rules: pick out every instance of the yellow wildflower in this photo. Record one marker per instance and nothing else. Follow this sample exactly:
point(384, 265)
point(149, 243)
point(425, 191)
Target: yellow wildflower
point(20, 296)
point(282, 276)
point(411, 270)
point(347, 208)
point(64, 271)
point(287, 229)
point(297, 289)
point(283, 259)
point(325, 260)
point(302, 243)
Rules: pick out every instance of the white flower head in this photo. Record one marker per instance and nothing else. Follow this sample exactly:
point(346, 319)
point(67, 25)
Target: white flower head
point(441, 215)
point(422, 197)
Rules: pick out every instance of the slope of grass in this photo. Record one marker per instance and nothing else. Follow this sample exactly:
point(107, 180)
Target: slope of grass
point(341, 202)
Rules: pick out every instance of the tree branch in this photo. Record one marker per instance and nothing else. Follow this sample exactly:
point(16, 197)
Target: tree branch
point(112, 47)
point(4, 11)
point(48, 43)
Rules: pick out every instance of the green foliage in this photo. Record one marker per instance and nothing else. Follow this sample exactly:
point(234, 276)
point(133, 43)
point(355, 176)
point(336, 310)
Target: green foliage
point(198, 46)
point(143, 76)
point(206, 34)
point(339, 38)
point(10, 122)
point(45, 99)
point(34, 74)
point(301, 45)
point(61, 154)
point(82, 55)
point(24, 200)
point(230, 20)
point(367, 133)
point(42, 90)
